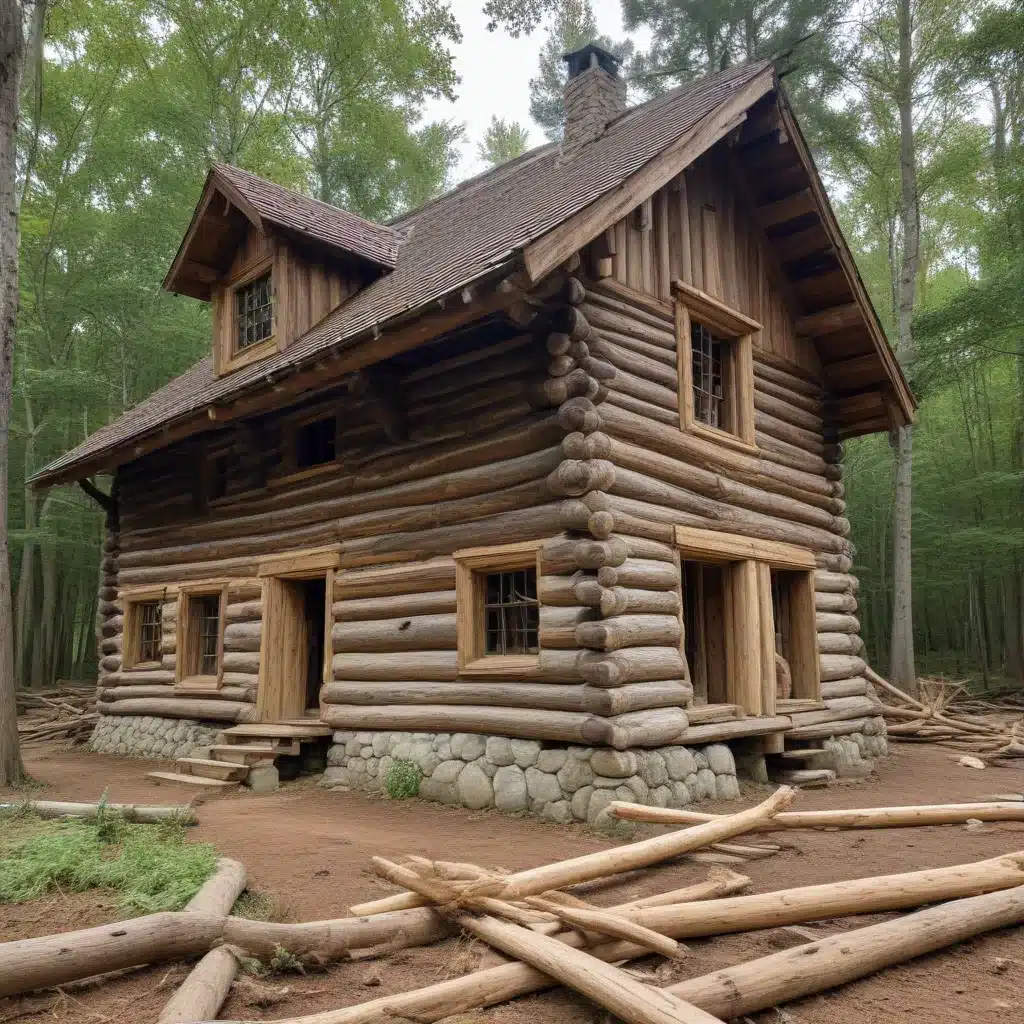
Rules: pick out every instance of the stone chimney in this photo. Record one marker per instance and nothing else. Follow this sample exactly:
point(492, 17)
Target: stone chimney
point(594, 96)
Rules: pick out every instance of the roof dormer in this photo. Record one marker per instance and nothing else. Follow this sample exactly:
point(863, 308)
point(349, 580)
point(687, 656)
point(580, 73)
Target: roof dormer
point(272, 263)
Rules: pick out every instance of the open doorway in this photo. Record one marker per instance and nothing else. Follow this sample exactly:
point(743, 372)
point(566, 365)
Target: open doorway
point(293, 647)
point(705, 615)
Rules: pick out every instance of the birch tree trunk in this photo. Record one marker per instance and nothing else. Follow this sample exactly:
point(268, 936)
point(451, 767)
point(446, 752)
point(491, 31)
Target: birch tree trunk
point(901, 650)
point(12, 48)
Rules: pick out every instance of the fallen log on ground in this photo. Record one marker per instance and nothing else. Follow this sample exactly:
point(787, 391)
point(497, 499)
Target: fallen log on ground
point(203, 992)
point(862, 817)
point(793, 906)
point(534, 881)
point(141, 813)
point(218, 893)
point(838, 959)
point(623, 995)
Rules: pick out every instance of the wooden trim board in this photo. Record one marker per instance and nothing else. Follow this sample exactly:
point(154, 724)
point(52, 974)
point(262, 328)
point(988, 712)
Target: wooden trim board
point(701, 545)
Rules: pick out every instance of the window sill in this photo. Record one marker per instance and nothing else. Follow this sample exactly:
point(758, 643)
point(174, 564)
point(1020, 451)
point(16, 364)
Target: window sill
point(723, 437)
point(502, 665)
point(252, 354)
point(143, 666)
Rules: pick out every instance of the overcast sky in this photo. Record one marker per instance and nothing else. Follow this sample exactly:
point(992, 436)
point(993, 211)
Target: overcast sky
point(496, 71)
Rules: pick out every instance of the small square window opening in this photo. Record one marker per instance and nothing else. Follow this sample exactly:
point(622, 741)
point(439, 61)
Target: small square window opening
point(254, 313)
point(315, 443)
point(511, 612)
point(219, 477)
point(708, 376)
point(149, 631)
point(208, 612)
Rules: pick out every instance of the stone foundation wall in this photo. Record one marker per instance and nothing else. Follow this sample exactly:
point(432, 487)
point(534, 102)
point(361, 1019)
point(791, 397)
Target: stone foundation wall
point(560, 783)
point(134, 736)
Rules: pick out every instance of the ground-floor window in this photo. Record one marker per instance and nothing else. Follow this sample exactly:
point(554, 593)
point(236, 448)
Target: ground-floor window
point(201, 636)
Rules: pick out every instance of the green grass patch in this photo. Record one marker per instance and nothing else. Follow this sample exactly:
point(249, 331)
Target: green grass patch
point(258, 906)
point(403, 779)
point(149, 867)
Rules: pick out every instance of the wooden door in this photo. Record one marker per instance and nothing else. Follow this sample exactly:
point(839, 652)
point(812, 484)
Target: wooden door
point(283, 651)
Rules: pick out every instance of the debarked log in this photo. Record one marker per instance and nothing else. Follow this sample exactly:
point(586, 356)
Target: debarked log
point(630, 631)
point(142, 813)
point(539, 696)
point(857, 687)
point(631, 665)
point(641, 573)
point(106, 694)
point(435, 666)
point(840, 666)
point(182, 707)
point(243, 636)
point(839, 643)
point(411, 633)
point(432, 602)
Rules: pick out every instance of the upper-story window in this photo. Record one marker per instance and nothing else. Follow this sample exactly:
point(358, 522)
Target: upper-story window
point(709, 390)
point(254, 313)
point(315, 443)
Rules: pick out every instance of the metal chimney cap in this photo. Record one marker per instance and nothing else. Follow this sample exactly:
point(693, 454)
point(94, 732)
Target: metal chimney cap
point(589, 56)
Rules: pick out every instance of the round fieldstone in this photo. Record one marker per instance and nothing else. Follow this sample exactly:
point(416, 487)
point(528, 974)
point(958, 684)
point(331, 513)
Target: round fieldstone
point(468, 746)
point(558, 811)
point(552, 760)
point(682, 794)
point(680, 763)
point(525, 752)
point(581, 753)
point(486, 767)
point(720, 759)
point(701, 759)
point(706, 785)
point(510, 792)
point(371, 768)
point(447, 771)
point(660, 796)
point(542, 787)
point(727, 787)
point(474, 788)
point(336, 755)
point(366, 752)
point(599, 800)
point(600, 782)
point(653, 769)
point(443, 750)
point(580, 801)
point(442, 792)
point(498, 750)
point(380, 744)
point(575, 774)
point(635, 785)
point(618, 764)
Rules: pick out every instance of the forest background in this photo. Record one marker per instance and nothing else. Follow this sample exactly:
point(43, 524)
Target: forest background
point(126, 103)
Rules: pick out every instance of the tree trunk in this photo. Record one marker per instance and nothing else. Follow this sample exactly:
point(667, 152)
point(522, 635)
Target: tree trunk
point(901, 651)
point(12, 50)
point(25, 599)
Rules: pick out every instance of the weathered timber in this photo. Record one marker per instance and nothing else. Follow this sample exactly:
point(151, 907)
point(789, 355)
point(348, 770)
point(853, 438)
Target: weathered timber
point(181, 707)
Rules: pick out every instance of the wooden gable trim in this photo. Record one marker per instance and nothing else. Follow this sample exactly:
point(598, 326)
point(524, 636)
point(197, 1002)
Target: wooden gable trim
point(555, 247)
point(905, 404)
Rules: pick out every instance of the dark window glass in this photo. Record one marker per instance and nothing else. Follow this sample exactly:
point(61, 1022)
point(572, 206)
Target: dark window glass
point(219, 477)
point(149, 631)
point(314, 443)
point(208, 611)
point(708, 384)
point(254, 314)
point(511, 612)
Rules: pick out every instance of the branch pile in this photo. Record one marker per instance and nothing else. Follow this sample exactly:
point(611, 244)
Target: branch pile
point(992, 730)
point(67, 712)
point(556, 937)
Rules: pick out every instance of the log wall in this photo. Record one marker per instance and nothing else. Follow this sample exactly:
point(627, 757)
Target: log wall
point(566, 433)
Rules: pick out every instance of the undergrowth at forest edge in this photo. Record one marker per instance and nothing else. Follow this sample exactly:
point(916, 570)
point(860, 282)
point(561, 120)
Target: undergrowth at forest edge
point(150, 867)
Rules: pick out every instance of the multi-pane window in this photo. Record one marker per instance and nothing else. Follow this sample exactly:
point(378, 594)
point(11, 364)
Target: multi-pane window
point(207, 611)
point(254, 313)
point(315, 443)
point(149, 631)
point(511, 612)
point(708, 376)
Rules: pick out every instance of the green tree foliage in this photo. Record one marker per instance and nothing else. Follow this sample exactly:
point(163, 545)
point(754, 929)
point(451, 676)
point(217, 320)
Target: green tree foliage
point(503, 141)
point(124, 108)
point(572, 26)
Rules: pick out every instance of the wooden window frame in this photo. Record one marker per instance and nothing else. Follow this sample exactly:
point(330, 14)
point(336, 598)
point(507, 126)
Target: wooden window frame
point(227, 358)
point(187, 654)
point(471, 564)
point(131, 636)
point(289, 440)
point(749, 629)
point(735, 328)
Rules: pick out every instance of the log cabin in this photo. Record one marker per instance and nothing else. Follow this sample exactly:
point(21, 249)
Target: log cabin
point(549, 468)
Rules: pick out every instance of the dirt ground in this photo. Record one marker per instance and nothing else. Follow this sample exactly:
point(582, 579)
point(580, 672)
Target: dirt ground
point(308, 850)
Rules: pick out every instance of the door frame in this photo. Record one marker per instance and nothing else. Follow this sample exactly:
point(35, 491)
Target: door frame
point(281, 691)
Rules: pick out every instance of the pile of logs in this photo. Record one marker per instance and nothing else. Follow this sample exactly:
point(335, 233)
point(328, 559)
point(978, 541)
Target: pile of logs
point(65, 713)
point(555, 937)
point(992, 730)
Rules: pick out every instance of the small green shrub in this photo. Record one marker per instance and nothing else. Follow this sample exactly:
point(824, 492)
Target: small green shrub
point(150, 869)
point(282, 962)
point(258, 906)
point(403, 779)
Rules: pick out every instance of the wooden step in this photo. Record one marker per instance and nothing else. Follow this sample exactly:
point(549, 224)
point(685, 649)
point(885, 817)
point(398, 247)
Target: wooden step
point(275, 745)
point(795, 705)
point(802, 754)
point(247, 753)
point(191, 780)
point(223, 770)
point(707, 713)
point(277, 730)
point(806, 778)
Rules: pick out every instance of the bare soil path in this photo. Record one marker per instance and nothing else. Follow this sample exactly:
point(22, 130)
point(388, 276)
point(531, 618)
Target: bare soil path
point(307, 850)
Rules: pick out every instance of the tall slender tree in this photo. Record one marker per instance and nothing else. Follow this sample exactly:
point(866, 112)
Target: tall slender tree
point(12, 52)
point(503, 141)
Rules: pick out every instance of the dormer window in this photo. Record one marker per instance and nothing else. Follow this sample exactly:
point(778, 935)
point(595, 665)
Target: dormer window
point(254, 313)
